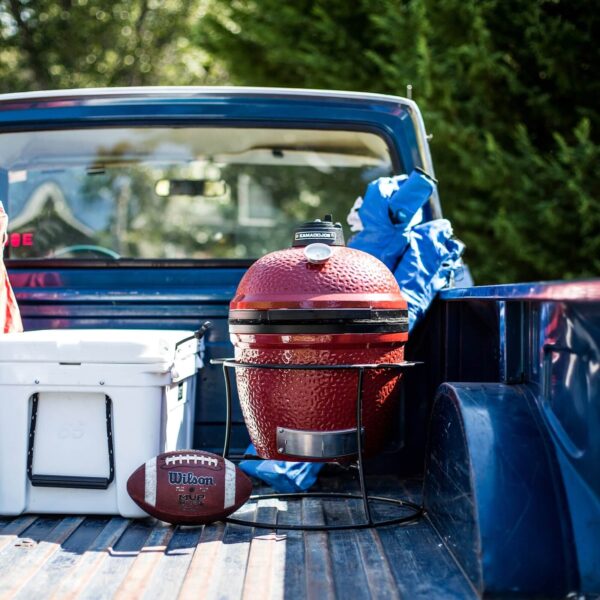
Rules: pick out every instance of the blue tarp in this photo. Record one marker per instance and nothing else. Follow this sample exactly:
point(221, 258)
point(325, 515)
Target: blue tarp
point(427, 265)
point(423, 258)
point(282, 476)
point(389, 207)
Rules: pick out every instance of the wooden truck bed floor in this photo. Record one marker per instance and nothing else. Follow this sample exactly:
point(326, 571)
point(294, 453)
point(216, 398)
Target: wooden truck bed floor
point(106, 557)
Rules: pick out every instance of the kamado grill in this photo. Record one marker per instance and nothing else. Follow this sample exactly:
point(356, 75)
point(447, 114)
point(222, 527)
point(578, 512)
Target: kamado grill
point(319, 332)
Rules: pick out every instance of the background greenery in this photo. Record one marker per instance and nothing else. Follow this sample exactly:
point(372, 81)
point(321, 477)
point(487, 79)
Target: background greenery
point(508, 88)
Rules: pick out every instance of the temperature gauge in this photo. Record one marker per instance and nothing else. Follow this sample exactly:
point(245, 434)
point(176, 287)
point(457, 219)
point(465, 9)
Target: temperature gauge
point(318, 253)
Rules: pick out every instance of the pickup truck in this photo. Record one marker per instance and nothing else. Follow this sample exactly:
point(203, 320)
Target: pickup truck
point(142, 208)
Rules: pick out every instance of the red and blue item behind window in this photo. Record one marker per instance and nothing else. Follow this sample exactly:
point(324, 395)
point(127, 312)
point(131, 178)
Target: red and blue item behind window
point(10, 318)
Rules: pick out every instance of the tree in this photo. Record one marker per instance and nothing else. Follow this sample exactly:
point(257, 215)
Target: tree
point(509, 89)
point(52, 44)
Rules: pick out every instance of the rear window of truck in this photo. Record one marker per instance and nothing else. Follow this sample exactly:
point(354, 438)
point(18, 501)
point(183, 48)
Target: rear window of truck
point(178, 193)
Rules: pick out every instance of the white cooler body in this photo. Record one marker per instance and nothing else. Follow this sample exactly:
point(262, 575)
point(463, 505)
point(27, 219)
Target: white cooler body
point(69, 399)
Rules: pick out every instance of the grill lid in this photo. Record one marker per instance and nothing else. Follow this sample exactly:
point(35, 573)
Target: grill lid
point(318, 288)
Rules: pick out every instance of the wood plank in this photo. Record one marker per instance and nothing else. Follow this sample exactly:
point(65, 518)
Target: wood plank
point(35, 555)
point(421, 565)
point(266, 561)
point(380, 579)
point(63, 560)
point(349, 577)
point(278, 559)
point(168, 576)
point(82, 571)
point(232, 560)
point(23, 544)
point(294, 579)
point(203, 563)
point(140, 573)
point(13, 528)
point(317, 556)
point(118, 560)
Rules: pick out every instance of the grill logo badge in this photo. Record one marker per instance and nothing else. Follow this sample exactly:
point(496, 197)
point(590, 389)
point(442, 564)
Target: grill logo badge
point(314, 235)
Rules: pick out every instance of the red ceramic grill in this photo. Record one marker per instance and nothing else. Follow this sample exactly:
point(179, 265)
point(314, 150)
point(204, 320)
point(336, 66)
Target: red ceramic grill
point(322, 304)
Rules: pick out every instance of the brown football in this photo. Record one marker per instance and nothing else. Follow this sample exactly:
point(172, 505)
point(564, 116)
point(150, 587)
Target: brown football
point(189, 487)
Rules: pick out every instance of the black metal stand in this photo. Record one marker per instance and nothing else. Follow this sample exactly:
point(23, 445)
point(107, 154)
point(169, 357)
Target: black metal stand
point(416, 510)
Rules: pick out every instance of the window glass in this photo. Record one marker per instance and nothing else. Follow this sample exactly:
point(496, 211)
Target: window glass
point(177, 193)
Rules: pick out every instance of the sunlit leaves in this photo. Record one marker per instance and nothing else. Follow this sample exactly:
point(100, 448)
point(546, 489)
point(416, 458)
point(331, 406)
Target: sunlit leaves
point(83, 43)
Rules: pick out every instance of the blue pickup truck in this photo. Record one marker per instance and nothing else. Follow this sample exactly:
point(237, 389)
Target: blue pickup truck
point(143, 208)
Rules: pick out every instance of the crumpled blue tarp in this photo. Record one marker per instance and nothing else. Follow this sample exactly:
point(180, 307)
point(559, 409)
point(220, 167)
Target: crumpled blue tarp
point(389, 207)
point(282, 476)
point(423, 258)
point(427, 265)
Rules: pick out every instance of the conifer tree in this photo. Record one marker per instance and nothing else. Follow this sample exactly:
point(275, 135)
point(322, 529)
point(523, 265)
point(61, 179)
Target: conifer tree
point(509, 91)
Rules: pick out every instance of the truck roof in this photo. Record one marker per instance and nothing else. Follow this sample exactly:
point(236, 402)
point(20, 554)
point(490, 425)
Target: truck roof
point(88, 93)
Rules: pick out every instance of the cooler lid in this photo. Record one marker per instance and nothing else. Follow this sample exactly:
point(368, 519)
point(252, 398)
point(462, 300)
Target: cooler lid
point(82, 346)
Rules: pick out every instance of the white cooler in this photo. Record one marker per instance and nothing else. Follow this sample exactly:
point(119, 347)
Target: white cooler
point(80, 410)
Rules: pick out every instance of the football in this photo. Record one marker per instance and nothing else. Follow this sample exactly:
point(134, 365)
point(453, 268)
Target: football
point(189, 487)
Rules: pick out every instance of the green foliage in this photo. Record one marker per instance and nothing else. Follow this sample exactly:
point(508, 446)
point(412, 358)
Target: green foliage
point(509, 89)
point(48, 44)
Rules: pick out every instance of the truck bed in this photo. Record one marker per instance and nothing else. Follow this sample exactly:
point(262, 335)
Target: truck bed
point(104, 557)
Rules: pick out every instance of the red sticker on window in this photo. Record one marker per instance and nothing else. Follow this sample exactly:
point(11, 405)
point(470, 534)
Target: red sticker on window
point(16, 240)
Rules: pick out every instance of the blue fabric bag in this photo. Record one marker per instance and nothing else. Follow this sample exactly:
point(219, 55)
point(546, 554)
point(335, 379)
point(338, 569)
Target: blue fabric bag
point(282, 476)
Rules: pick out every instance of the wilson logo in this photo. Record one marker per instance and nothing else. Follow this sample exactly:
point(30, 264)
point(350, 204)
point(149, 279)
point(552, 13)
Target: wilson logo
point(179, 478)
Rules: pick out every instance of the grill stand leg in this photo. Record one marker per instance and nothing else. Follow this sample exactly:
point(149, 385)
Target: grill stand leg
point(359, 442)
point(227, 411)
point(417, 511)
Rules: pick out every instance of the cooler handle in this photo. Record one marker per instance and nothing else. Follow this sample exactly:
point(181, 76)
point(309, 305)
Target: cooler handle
point(70, 481)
